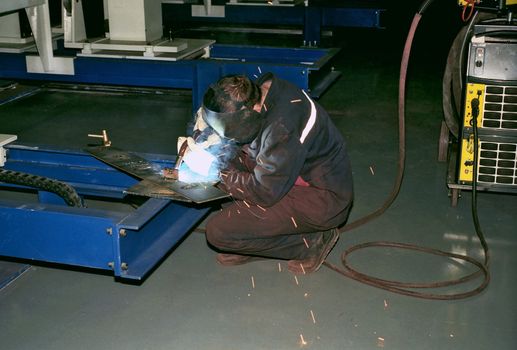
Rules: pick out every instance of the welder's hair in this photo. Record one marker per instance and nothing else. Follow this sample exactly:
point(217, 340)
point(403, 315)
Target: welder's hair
point(232, 93)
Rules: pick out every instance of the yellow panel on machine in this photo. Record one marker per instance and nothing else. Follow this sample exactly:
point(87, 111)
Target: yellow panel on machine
point(473, 91)
point(497, 106)
point(491, 3)
point(497, 161)
point(497, 144)
point(467, 159)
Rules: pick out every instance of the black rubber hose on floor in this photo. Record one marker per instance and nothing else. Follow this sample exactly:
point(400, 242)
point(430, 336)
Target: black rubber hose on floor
point(406, 288)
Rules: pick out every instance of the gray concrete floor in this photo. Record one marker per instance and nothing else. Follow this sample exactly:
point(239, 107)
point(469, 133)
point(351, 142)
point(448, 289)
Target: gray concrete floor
point(190, 302)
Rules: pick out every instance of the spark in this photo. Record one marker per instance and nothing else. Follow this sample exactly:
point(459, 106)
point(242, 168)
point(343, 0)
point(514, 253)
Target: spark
point(313, 318)
point(229, 212)
point(385, 304)
point(297, 100)
point(223, 174)
point(253, 282)
point(279, 267)
point(303, 270)
point(246, 204)
point(371, 170)
point(265, 107)
point(305, 241)
point(240, 160)
point(380, 342)
point(256, 76)
point(238, 211)
point(241, 191)
point(263, 209)
point(294, 222)
point(260, 70)
point(296, 280)
point(302, 341)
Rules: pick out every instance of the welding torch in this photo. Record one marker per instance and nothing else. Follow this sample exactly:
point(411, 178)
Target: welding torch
point(174, 173)
point(179, 158)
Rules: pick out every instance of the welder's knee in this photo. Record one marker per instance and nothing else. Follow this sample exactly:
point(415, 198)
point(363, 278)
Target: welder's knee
point(215, 233)
point(225, 235)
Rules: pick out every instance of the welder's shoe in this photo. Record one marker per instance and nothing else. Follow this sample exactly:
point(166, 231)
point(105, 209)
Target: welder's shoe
point(226, 259)
point(313, 263)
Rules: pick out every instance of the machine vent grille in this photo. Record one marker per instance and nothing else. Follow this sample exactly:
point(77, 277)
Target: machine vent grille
point(497, 163)
point(500, 109)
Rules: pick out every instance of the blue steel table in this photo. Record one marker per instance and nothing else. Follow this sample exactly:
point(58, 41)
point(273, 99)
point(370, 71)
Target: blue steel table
point(128, 243)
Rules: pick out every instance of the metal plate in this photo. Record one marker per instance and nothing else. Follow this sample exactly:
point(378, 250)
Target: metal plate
point(152, 189)
point(200, 192)
point(154, 184)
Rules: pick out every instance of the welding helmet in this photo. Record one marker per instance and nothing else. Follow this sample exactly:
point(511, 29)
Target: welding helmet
point(228, 108)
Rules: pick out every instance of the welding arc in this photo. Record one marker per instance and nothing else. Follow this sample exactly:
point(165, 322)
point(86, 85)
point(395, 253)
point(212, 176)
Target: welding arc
point(62, 189)
point(405, 288)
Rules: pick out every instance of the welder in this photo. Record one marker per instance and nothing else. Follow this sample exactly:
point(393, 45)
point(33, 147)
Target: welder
point(290, 180)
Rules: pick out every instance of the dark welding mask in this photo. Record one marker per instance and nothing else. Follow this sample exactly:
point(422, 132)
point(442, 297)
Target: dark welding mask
point(241, 125)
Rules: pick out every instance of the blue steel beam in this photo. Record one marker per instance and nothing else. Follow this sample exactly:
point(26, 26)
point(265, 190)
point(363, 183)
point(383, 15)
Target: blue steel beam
point(129, 244)
point(57, 234)
point(301, 66)
point(311, 18)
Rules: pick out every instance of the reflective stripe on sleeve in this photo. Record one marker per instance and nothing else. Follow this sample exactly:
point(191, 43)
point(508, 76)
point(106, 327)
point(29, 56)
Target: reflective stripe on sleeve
point(311, 121)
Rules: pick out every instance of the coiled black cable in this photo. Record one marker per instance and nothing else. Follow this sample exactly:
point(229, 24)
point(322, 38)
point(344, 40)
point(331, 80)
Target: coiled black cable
point(406, 288)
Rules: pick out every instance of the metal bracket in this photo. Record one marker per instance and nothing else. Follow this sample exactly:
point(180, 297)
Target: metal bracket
point(4, 140)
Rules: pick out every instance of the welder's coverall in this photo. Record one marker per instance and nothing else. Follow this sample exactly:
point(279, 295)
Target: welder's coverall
point(291, 183)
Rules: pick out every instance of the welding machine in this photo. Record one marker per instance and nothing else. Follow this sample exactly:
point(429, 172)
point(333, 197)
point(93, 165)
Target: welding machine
point(488, 4)
point(490, 97)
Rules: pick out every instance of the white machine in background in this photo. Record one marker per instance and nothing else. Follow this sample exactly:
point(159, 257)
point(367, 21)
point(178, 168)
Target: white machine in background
point(135, 32)
point(11, 36)
point(207, 9)
point(39, 20)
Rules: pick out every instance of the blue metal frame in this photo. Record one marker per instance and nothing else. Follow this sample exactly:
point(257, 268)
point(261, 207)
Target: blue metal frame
point(302, 66)
point(311, 18)
point(129, 244)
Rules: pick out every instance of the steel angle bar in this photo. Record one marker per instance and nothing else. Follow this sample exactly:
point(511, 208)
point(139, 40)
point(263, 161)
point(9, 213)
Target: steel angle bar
point(143, 246)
